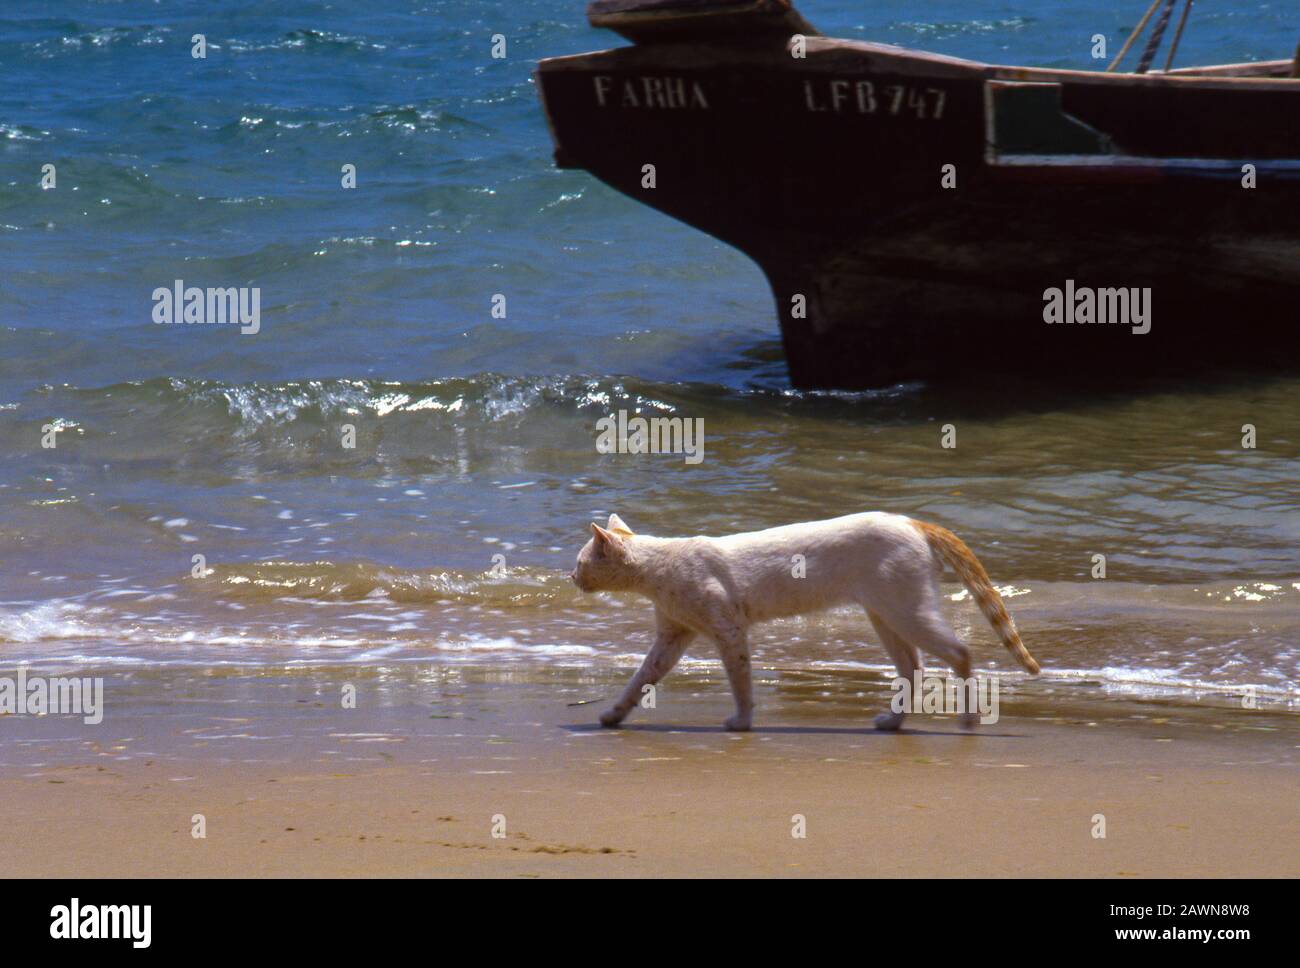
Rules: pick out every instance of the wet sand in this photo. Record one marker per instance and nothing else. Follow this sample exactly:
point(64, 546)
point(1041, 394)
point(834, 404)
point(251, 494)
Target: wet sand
point(290, 786)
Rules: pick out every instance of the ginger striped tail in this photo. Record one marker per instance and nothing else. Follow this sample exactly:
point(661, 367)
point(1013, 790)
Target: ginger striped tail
point(972, 574)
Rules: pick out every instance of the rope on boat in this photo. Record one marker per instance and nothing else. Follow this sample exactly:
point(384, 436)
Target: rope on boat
point(1133, 36)
point(1178, 35)
point(1157, 35)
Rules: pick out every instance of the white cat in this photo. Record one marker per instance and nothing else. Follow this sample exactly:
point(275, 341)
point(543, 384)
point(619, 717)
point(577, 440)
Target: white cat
point(718, 587)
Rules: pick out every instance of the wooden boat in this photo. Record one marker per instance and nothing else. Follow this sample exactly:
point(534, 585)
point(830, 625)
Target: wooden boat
point(914, 212)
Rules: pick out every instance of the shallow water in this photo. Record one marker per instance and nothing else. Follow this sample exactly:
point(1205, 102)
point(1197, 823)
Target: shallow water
point(475, 436)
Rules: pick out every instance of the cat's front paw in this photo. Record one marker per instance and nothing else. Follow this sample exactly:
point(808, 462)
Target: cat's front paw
point(889, 722)
point(610, 718)
point(738, 723)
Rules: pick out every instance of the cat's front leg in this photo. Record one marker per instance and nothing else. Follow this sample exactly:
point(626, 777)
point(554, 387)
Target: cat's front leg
point(613, 716)
point(733, 644)
point(671, 640)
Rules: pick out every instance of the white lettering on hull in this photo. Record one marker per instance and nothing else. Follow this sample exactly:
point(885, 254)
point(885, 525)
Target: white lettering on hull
point(651, 93)
point(839, 96)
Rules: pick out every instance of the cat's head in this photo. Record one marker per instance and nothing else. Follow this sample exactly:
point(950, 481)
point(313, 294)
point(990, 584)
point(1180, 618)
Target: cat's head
point(604, 561)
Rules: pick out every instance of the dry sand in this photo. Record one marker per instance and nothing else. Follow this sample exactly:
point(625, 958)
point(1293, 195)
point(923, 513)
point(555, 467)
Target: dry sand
point(1015, 799)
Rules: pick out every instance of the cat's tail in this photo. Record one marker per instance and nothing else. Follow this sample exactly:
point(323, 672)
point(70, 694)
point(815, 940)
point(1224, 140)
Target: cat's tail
point(962, 560)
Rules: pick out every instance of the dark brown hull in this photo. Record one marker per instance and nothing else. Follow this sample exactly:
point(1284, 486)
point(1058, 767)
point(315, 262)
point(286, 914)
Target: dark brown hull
point(828, 172)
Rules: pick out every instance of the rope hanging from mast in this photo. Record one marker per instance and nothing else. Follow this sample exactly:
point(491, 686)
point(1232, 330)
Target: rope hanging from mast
point(1142, 25)
point(1157, 35)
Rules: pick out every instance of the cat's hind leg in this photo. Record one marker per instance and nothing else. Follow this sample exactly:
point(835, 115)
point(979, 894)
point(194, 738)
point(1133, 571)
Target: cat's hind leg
point(670, 642)
point(925, 627)
point(907, 660)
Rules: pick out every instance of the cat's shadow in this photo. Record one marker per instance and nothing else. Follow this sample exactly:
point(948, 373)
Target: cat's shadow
point(784, 730)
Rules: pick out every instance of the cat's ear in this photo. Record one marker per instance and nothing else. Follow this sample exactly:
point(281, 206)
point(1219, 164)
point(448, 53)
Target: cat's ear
point(603, 538)
point(617, 526)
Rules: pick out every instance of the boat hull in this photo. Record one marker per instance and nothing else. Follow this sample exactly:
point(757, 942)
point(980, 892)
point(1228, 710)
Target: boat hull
point(913, 213)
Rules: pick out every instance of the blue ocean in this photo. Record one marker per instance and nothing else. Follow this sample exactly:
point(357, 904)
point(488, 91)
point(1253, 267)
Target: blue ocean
point(400, 464)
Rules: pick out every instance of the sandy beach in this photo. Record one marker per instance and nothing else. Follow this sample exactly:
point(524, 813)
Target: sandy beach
point(299, 788)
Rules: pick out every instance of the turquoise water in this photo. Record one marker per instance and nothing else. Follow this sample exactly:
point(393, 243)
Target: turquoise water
point(474, 434)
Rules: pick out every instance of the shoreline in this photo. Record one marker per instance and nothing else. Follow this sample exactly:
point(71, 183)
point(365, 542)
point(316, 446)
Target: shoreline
point(289, 785)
